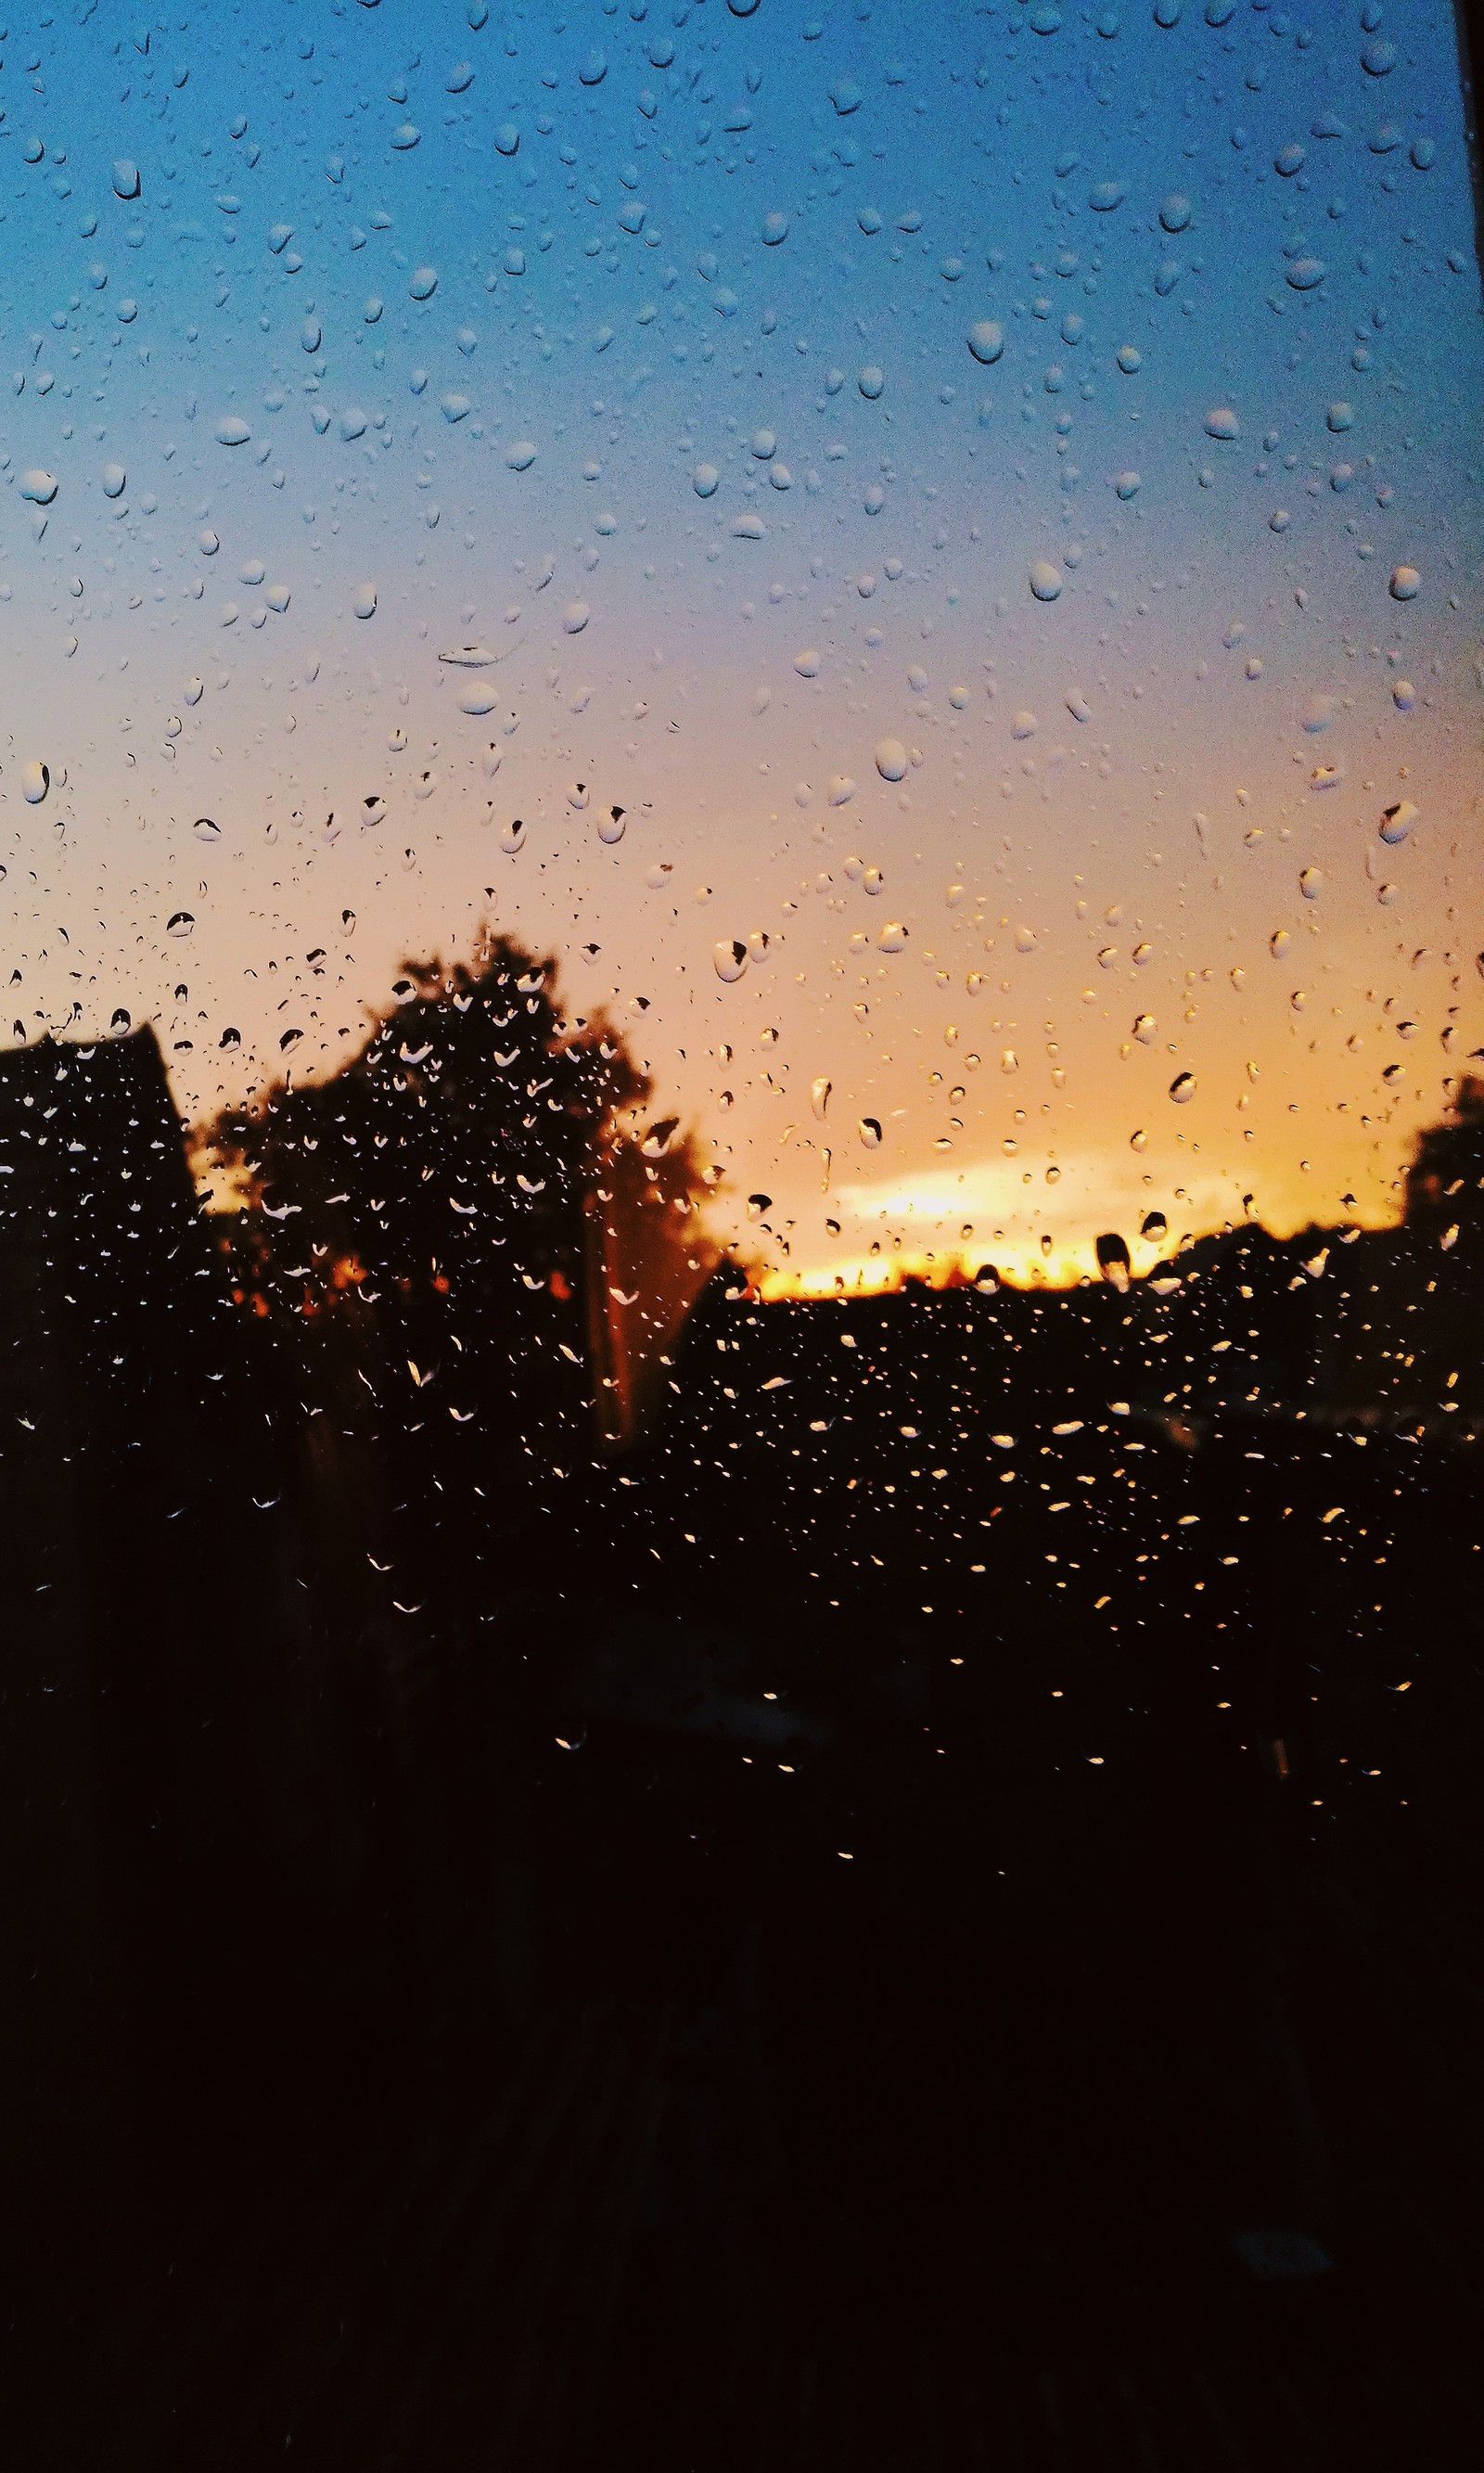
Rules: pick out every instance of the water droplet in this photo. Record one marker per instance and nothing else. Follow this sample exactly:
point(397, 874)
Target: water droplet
point(1288, 160)
point(195, 689)
point(422, 283)
point(38, 485)
point(114, 479)
point(871, 382)
point(893, 937)
point(611, 828)
point(775, 227)
point(657, 1142)
point(1398, 822)
point(987, 339)
point(180, 924)
point(231, 430)
point(1145, 1029)
point(1305, 274)
point(575, 617)
point(729, 957)
point(1129, 358)
point(871, 1132)
point(1405, 584)
point(1404, 695)
point(1045, 580)
point(205, 829)
point(818, 1095)
point(1182, 1089)
point(521, 455)
point(1175, 211)
point(1127, 485)
point(1311, 882)
point(891, 760)
point(126, 177)
point(35, 779)
point(1221, 421)
point(363, 601)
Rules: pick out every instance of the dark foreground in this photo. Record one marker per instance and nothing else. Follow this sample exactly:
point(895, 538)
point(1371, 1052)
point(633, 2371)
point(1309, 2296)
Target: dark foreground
point(1114, 2104)
point(926, 1919)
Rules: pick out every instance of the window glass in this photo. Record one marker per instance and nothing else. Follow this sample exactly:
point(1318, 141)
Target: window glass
point(741, 1199)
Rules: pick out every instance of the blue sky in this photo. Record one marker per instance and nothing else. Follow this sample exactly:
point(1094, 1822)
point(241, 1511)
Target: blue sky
point(458, 316)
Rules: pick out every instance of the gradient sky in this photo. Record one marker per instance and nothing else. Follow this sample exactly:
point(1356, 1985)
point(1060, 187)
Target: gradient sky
point(487, 300)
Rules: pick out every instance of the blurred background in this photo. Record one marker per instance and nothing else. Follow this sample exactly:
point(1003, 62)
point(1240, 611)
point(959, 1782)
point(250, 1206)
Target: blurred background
point(741, 1164)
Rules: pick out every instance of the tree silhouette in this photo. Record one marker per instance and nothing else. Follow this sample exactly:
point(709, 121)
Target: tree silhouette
point(1446, 1178)
point(467, 1177)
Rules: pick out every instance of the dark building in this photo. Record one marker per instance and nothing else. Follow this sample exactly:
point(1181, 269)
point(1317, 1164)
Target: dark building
point(142, 1720)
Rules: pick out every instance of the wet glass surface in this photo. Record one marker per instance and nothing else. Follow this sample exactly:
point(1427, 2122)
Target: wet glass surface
point(741, 1214)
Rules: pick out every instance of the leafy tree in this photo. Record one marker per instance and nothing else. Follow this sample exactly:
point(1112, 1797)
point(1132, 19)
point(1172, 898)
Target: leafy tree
point(474, 1176)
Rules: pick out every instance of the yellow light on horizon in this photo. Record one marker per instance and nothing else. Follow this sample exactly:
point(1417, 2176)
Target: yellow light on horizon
point(1016, 1265)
